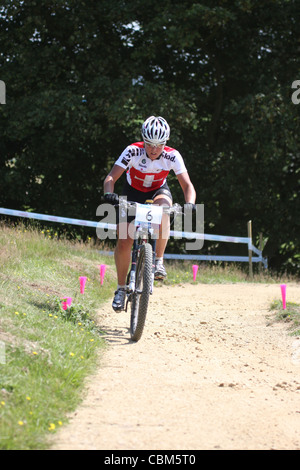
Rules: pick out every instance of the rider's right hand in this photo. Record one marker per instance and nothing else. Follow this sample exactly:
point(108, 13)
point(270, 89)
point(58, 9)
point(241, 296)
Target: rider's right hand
point(111, 198)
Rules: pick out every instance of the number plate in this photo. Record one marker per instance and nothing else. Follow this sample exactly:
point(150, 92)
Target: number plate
point(148, 213)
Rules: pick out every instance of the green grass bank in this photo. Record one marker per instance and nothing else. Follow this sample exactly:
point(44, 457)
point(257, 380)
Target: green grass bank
point(47, 352)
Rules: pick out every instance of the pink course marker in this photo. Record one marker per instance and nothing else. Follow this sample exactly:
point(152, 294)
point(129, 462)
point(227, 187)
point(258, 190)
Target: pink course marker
point(67, 302)
point(195, 270)
point(102, 272)
point(283, 295)
point(82, 281)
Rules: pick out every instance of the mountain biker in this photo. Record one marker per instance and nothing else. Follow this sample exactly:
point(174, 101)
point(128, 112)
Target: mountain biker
point(147, 165)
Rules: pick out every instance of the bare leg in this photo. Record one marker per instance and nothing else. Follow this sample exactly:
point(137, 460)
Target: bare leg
point(123, 255)
point(164, 231)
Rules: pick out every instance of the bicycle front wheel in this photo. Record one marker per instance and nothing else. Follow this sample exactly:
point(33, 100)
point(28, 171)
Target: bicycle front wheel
point(142, 291)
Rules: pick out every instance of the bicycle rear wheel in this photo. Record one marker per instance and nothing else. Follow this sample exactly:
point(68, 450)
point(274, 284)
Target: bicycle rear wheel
point(140, 298)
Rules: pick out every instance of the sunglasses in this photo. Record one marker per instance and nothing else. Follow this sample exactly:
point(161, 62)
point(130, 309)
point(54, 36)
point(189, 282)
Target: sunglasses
point(154, 145)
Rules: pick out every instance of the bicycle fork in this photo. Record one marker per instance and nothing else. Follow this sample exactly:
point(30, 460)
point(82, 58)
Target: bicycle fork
point(131, 283)
point(131, 277)
point(153, 244)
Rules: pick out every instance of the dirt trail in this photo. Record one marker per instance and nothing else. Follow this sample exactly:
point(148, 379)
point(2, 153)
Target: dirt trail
point(208, 373)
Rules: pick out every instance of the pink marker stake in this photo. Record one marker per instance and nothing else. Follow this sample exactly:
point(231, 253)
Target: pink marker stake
point(102, 272)
point(67, 301)
point(195, 270)
point(82, 281)
point(283, 295)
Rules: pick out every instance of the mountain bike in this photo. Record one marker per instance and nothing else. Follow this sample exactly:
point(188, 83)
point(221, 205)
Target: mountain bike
point(140, 278)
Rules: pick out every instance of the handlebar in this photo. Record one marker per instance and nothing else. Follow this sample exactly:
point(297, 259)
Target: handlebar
point(175, 209)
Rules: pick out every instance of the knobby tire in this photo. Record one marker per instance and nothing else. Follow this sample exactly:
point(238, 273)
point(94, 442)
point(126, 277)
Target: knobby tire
point(141, 295)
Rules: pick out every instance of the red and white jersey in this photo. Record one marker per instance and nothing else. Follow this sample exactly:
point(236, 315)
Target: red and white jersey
point(145, 174)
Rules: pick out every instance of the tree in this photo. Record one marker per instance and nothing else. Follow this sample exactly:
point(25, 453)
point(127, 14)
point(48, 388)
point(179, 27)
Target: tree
point(82, 77)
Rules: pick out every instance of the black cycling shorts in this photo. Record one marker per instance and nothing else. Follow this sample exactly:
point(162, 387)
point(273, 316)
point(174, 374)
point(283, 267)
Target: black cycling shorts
point(135, 195)
point(138, 196)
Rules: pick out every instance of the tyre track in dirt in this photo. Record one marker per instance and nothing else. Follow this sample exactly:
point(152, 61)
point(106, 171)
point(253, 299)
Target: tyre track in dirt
point(210, 372)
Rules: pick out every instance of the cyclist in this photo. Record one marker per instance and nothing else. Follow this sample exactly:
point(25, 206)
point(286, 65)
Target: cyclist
point(147, 165)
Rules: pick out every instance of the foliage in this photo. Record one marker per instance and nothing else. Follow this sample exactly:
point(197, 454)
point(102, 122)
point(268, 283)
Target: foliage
point(81, 79)
point(290, 315)
point(78, 314)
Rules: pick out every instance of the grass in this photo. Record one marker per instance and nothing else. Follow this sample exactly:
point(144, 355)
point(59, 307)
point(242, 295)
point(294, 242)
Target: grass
point(290, 315)
point(47, 352)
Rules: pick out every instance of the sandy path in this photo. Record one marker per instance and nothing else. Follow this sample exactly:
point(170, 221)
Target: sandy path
point(208, 373)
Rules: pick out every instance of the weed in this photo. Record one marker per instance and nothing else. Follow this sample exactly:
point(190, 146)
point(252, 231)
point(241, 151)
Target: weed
point(291, 315)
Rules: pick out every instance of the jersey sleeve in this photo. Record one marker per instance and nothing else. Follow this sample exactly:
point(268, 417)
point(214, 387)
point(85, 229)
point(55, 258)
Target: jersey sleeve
point(179, 165)
point(124, 159)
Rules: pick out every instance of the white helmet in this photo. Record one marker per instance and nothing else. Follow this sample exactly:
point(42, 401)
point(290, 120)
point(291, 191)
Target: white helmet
point(155, 130)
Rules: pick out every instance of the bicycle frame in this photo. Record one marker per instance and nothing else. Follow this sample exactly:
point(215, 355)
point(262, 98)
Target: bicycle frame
point(145, 235)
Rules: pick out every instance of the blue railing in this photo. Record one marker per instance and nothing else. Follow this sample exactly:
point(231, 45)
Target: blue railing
point(189, 235)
